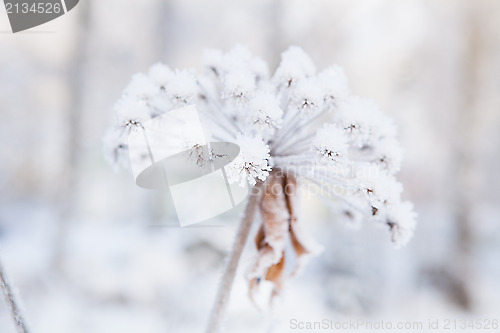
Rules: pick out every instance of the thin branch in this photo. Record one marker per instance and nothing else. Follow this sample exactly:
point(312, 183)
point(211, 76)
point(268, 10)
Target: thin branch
point(224, 292)
point(13, 303)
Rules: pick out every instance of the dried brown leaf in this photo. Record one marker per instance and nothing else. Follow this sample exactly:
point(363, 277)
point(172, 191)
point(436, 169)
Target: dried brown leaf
point(278, 210)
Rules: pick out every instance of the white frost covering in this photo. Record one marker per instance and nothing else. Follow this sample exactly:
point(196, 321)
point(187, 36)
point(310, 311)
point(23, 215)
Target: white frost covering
point(297, 120)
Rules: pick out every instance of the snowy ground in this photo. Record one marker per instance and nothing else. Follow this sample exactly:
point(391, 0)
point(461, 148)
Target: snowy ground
point(128, 277)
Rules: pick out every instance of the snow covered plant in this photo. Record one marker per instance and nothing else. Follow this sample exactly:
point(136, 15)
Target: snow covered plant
point(296, 129)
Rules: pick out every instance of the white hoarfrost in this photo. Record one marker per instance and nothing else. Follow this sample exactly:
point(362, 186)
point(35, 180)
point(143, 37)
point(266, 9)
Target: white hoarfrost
point(305, 124)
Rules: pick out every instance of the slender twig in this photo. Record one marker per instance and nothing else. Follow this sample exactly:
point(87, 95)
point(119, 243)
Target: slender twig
point(224, 292)
point(13, 303)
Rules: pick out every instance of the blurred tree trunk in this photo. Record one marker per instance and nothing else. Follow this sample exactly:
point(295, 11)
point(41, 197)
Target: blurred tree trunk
point(66, 197)
point(160, 202)
point(462, 268)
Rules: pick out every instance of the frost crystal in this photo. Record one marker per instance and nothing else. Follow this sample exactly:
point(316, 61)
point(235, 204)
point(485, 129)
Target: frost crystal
point(333, 82)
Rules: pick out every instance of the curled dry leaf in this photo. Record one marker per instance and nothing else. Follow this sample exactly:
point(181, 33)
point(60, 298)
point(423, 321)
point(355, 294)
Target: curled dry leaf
point(279, 228)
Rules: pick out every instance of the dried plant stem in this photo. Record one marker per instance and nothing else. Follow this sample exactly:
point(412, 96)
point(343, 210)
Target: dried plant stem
point(13, 304)
point(224, 292)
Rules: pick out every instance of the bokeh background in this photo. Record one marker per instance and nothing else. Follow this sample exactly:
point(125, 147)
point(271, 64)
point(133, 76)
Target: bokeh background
point(91, 252)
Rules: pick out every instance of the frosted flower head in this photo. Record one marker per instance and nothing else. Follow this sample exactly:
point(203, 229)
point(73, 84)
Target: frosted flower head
point(142, 87)
point(295, 127)
point(388, 156)
point(376, 186)
point(361, 120)
point(252, 163)
point(181, 89)
point(160, 74)
point(307, 97)
point(330, 143)
point(238, 86)
point(333, 83)
point(131, 113)
point(402, 223)
point(265, 113)
point(297, 122)
point(295, 65)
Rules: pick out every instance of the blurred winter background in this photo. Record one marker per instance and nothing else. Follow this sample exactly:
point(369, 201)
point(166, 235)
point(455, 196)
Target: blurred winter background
point(91, 252)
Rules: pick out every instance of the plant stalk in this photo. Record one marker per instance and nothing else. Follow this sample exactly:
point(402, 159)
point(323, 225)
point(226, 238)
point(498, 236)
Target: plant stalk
point(224, 292)
point(13, 303)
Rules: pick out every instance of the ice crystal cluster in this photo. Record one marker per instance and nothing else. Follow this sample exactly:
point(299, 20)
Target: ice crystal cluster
point(295, 127)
